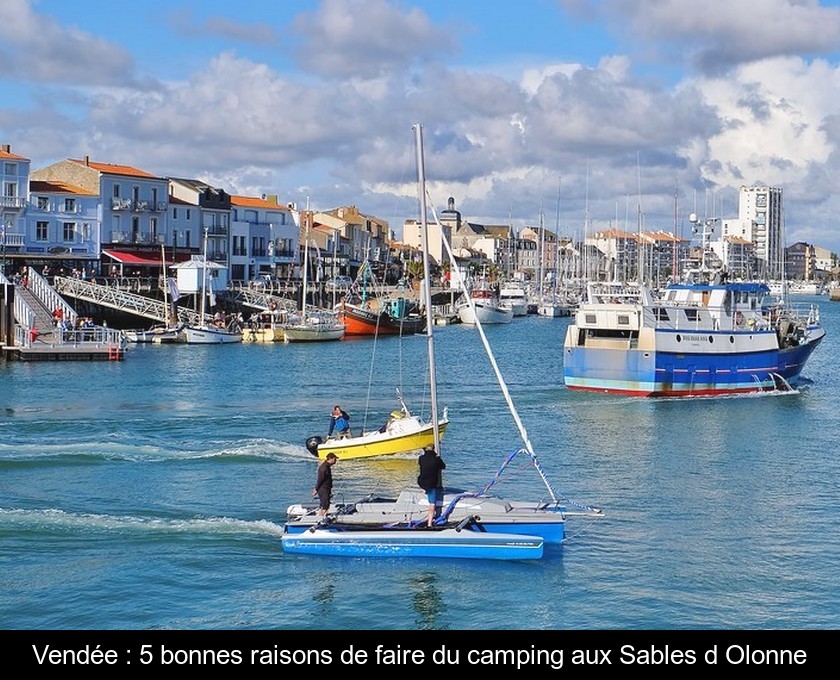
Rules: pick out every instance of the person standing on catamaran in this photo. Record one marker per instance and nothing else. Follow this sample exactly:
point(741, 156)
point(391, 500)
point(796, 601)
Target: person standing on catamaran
point(430, 480)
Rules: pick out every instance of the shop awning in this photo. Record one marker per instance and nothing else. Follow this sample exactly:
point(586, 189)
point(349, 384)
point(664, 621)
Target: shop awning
point(132, 258)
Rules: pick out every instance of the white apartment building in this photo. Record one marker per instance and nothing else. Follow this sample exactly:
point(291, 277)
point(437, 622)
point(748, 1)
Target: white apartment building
point(134, 203)
point(761, 221)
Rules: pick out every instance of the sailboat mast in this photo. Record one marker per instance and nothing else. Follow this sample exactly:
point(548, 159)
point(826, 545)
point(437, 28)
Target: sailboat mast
point(165, 283)
point(427, 280)
point(305, 264)
point(204, 281)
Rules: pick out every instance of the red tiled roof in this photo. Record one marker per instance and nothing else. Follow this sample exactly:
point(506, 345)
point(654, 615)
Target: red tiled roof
point(111, 169)
point(12, 156)
point(54, 187)
point(254, 202)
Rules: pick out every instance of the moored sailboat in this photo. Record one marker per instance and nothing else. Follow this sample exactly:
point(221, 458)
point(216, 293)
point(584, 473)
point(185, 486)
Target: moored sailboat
point(311, 325)
point(204, 333)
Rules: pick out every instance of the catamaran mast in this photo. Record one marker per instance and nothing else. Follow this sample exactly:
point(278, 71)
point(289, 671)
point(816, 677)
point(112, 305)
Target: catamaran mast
point(427, 280)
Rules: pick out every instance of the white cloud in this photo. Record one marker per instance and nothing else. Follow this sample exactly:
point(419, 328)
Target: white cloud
point(366, 38)
point(36, 47)
point(720, 36)
point(187, 23)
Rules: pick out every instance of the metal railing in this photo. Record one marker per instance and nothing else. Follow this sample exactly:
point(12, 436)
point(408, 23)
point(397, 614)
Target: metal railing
point(94, 337)
point(48, 296)
point(115, 298)
point(24, 314)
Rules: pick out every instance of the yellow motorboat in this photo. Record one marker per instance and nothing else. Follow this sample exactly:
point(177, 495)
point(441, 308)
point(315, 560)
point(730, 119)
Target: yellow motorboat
point(402, 433)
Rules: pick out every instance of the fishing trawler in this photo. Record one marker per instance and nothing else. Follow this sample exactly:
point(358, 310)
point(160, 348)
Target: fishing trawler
point(704, 337)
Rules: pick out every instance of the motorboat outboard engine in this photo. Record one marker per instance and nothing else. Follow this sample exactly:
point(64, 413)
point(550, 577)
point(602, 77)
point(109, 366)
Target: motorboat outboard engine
point(312, 445)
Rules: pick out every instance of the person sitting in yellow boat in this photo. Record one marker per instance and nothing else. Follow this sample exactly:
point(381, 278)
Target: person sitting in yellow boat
point(395, 415)
point(339, 423)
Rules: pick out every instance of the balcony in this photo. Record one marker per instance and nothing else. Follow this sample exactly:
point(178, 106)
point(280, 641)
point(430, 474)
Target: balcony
point(120, 204)
point(12, 240)
point(140, 206)
point(12, 202)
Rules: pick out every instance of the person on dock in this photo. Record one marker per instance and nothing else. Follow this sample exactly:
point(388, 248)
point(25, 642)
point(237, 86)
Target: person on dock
point(430, 480)
point(339, 423)
point(323, 484)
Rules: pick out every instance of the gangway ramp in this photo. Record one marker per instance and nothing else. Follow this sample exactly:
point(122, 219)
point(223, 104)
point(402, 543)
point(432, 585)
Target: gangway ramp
point(132, 303)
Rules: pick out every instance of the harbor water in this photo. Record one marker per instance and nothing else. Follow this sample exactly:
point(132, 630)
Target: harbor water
point(150, 493)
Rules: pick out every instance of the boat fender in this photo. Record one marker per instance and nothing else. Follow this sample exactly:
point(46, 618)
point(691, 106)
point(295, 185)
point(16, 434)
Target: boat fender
point(313, 443)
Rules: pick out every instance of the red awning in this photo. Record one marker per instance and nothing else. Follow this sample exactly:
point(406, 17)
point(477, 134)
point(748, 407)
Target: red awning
point(132, 258)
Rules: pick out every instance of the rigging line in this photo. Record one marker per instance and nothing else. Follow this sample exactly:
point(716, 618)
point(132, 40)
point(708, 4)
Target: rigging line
point(522, 431)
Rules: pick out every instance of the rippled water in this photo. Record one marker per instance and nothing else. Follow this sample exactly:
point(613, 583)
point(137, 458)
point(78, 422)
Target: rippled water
point(150, 493)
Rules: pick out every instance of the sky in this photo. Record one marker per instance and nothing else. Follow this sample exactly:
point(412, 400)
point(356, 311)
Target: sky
point(582, 114)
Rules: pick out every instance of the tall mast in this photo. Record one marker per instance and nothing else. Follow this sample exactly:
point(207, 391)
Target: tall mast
point(305, 267)
point(427, 287)
point(204, 281)
point(165, 283)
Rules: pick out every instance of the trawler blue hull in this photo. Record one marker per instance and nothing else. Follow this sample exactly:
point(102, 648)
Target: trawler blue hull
point(644, 372)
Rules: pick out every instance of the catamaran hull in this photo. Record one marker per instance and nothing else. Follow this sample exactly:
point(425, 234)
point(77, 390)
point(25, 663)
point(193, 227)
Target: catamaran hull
point(419, 542)
point(649, 372)
point(378, 443)
point(496, 515)
point(551, 531)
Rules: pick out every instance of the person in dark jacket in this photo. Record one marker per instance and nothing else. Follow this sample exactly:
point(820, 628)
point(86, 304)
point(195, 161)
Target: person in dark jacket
point(430, 480)
point(323, 484)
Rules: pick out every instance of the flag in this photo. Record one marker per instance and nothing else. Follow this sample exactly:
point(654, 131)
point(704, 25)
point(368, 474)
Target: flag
point(172, 286)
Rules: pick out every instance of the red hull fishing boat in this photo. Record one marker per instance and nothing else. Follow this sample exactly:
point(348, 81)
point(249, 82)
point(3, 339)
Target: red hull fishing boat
point(390, 317)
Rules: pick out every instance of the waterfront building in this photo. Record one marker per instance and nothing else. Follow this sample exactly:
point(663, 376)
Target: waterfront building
point(205, 214)
point(133, 206)
point(264, 238)
point(184, 238)
point(360, 237)
point(761, 221)
point(62, 226)
point(14, 185)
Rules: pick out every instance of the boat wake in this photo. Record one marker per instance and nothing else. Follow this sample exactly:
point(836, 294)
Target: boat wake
point(60, 522)
point(93, 452)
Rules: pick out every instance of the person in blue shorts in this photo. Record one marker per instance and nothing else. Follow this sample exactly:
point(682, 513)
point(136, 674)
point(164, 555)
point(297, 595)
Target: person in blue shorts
point(430, 480)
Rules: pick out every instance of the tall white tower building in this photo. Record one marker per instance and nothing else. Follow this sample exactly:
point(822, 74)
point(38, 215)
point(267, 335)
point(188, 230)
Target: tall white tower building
point(761, 214)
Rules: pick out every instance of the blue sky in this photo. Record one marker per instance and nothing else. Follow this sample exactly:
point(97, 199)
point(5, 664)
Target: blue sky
point(617, 108)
